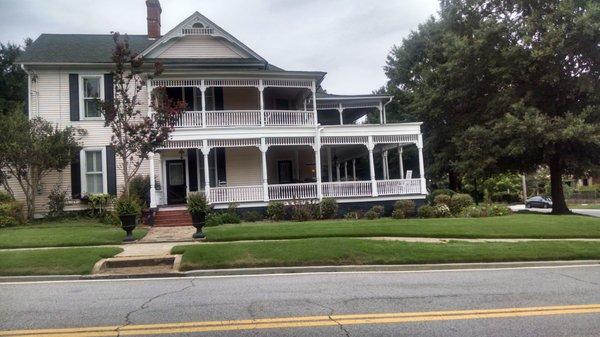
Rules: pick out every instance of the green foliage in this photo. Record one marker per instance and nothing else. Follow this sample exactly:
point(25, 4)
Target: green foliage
point(31, 149)
point(276, 210)
point(232, 207)
point(328, 208)
point(437, 192)
point(442, 199)
point(6, 197)
point(7, 221)
point(11, 213)
point(303, 210)
point(139, 186)
point(57, 199)
point(221, 218)
point(252, 216)
point(460, 202)
point(99, 204)
point(127, 205)
point(403, 209)
point(441, 211)
point(197, 204)
point(375, 212)
point(354, 215)
point(13, 79)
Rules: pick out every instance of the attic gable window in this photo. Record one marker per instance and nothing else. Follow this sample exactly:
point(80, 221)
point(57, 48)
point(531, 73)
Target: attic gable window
point(198, 25)
point(91, 87)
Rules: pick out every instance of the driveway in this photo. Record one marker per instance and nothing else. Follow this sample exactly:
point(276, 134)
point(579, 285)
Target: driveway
point(590, 212)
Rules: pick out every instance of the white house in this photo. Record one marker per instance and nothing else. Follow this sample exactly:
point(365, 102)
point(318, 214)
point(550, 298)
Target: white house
point(253, 132)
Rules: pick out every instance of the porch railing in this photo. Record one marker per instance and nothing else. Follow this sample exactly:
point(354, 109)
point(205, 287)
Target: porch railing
point(223, 118)
point(236, 194)
point(347, 189)
point(398, 186)
point(293, 191)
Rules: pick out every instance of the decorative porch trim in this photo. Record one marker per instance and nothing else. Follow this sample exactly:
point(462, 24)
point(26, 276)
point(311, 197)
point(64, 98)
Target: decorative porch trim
point(182, 144)
point(290, 141)
point(242, 142)
point(395, 139)
point(344, 140)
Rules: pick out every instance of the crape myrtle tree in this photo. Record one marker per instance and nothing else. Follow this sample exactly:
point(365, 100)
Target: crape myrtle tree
point(30, 150)
point(134, 133)
point(505, 86)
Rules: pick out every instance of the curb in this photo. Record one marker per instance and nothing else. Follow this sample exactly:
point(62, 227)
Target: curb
point(311, 269)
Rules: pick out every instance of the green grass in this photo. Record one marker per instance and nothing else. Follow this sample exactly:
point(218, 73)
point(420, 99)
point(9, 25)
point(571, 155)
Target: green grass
point(512, 226)
point(61, 233)
point(349, 251)
point(54, 261)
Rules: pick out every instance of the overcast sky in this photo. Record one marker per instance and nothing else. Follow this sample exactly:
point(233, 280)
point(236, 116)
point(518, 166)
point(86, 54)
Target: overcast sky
point(349, 39)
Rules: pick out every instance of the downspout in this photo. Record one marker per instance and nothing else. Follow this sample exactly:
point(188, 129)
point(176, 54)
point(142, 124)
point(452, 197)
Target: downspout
point(384, 116)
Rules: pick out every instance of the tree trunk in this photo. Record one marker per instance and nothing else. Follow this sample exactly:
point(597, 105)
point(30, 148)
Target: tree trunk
point(125, 176)
point(559, 205)
point(453, 181)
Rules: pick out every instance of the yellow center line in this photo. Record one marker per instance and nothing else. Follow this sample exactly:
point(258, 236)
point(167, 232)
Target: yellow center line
point(305, 321)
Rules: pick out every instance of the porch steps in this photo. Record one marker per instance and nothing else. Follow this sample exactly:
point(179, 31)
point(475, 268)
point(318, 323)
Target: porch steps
point(172, 218)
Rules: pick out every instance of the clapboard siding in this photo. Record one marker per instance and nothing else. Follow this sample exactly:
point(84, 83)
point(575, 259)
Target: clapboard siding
point(201, 47)
point(243, 166)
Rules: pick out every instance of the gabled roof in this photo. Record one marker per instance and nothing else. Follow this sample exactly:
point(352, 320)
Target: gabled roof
point(77, 48)
point(218, 31)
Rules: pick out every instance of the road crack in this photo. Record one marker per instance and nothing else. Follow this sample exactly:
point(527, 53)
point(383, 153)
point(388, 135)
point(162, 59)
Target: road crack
point(578, 279)
point(147, 303)
point(330, 316)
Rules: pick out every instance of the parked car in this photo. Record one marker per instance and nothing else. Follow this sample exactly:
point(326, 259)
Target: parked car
point(538, 202)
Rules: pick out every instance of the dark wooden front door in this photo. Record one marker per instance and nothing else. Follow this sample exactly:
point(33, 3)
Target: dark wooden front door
point(176, 182)
point(285, 172)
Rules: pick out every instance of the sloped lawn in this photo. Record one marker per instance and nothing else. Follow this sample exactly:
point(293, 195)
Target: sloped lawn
point(512, 226)
point(62, 233)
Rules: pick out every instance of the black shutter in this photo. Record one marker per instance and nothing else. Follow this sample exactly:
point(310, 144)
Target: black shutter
point(193, 169)
point(109, 88)
point(221, 168)
point(111, 168)
point(75, 178)
point(218, 98)
point(74, 96)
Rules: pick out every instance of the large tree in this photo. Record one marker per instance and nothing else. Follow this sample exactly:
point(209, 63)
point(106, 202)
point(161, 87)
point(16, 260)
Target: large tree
point(135, 133)
point(13, 79)
point(30, 150)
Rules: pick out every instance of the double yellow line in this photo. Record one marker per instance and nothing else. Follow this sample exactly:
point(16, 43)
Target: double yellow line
point(303, 322)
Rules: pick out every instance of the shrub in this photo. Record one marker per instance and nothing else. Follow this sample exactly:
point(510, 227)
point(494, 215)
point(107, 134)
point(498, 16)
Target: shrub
point(12, 213)
point(57, 200)
point(276, 211)
point(328, 208)
point(372, 214)
point(98, 204)
point(499, 210)
point(303, 210)
point(473, 212)
point(506, 197)
point(441, 211)
point(442, 199)
point(221, 218)
point(139, 186)
point(460, 202)
point(232, 207)
point(127, 205)
point(379, 209)
point(437, 192)
point(354, 215)
point(6, 197)
point(426, 211)
point(252, 216)
point(403, 209)
point(7, 221)
point(197, 204)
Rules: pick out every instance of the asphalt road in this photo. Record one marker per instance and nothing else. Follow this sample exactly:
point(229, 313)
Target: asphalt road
point(590, 212)
point(325, 298)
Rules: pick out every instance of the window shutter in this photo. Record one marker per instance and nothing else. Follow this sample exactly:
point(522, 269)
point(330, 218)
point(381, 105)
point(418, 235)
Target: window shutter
point(221, 168)
point(75, 178)
point(192, 169)
point(219, 98)
point(111, 168)
point(109, 88)
point(74, 96)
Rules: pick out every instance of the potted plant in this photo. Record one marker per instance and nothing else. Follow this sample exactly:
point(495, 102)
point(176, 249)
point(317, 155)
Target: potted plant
point(128, 209)
point(198, 207)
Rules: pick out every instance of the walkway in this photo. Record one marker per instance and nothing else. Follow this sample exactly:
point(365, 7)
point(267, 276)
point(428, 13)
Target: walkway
point(588, 212)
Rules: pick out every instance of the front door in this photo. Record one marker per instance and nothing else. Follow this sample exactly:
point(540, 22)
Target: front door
point(285, 172)
point(176, 187)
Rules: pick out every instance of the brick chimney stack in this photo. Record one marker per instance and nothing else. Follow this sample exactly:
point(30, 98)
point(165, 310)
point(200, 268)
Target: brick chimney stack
point(153, 17)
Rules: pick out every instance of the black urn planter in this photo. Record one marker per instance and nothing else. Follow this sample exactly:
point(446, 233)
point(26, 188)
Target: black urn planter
point(198, 221)
point(128, 222)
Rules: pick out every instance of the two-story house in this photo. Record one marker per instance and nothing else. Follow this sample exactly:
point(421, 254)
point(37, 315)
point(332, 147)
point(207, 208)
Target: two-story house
point(253, 132)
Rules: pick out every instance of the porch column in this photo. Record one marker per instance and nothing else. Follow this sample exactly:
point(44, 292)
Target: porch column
point(370, 147)
point(400, 161)
point(341, 111)
point(329, 165)
point(346, 170)
point(152, 186)
point(263, 153)
point(203, 92)
point(354, 169)
point(421, 165)
point(261, 88)
point(317, 148)
point(205, 152)
point(380, 113)
point(313, 89)
point(384, 165)
point(337, 171)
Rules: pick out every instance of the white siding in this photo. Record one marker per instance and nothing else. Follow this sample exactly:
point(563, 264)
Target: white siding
point(201, 47)
point(243, 166)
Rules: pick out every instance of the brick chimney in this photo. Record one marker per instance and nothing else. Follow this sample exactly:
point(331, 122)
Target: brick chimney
point(153, 17)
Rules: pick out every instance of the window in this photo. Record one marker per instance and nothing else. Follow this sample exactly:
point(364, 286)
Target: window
point(197, 25)
point(93, 171)
point(91, 88)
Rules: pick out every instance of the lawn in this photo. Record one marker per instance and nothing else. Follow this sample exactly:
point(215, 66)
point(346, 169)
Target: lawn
point(54, 261)
point(512, 226)
point(61, 233)
point(352, 251)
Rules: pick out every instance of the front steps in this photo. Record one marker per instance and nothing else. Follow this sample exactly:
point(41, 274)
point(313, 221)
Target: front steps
point(138, 266)
point(172, 218)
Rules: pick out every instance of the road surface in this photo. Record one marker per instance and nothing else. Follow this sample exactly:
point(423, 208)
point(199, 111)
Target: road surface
point(590, 212)
point(545, 301)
